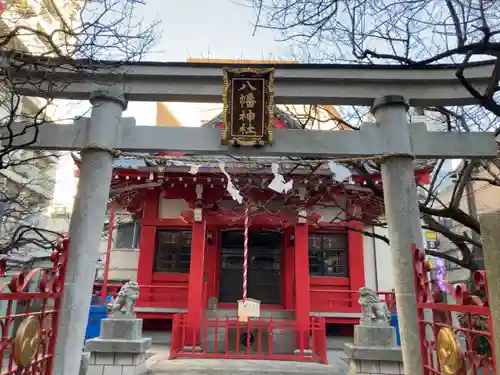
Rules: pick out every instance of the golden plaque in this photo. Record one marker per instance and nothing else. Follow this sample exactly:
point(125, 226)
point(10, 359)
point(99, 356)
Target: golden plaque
point(27, 341)
point(449, 352)
point(248, 107)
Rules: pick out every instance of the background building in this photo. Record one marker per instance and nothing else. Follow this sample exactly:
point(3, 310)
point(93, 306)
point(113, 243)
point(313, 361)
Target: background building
point(28, 183)
point(479, 197)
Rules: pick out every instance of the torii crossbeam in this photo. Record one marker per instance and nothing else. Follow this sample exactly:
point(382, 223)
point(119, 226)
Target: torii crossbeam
point(337, 84)
point(371, 141)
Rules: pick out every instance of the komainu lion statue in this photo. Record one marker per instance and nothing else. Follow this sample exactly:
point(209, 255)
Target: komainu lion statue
point(123, 304)
point(374, 311)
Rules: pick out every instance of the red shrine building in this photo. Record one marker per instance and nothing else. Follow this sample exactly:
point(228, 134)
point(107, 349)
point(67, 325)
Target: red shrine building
point(176, 231)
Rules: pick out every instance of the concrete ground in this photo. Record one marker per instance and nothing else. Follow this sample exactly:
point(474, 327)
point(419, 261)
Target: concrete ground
point(159, 363)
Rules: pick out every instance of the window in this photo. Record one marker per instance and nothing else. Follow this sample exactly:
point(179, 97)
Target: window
point(4, 208)
point(448, 223)
point(480, 262)
point(128, 235)
point(419, 111)
point(328, 254)
point(452, 265)
point(172, 251)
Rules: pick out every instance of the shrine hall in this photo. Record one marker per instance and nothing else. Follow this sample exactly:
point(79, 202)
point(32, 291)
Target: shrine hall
point(177, 231)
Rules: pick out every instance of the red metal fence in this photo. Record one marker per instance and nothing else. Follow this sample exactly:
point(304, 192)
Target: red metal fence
point(255, 339)
point(455, 338)
point(29, 311)
point(171, 296)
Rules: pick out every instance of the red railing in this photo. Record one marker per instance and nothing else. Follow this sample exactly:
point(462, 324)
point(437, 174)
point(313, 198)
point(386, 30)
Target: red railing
point(112, 289)
point(29, 316)
point(166, 296)
point(465, 327)
point(347, 299)
point(256, 339)
point(175, 296)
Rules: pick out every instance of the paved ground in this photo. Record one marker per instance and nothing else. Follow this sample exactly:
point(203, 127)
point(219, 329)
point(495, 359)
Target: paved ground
point(159, 364)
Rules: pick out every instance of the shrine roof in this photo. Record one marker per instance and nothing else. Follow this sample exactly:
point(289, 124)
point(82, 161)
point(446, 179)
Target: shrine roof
point(130, 163)
point(210, 164)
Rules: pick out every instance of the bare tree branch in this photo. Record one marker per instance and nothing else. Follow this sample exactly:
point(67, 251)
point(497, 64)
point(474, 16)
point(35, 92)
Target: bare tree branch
point(412, 33)
point(83, 30)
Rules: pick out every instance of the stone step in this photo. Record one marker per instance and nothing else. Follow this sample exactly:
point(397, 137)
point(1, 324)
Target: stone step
point(236, 366)
point(244, 372)
point(245, 369)
point(160, 364)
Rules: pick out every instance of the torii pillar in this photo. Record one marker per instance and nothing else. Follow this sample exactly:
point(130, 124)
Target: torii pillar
point(86, 226)
point(403, 219)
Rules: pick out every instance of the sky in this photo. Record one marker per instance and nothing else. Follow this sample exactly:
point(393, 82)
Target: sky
point(207, 29)
point(219, 29)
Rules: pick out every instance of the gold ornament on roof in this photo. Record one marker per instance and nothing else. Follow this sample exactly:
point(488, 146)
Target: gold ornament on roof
point(449, 352)
point(27, 341)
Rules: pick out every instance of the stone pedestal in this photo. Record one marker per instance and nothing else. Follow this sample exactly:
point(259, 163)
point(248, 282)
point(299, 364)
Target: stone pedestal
point(120, 350)
point(84, 365)
point(374, 351)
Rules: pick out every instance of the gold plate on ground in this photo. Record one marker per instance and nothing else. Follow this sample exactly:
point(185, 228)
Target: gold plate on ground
point(27, 341)
point(449, 352)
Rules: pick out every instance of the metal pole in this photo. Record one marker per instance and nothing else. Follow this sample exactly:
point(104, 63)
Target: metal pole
point(86, 226)
point(111, 227)
point(403, 219)
point(472, 208)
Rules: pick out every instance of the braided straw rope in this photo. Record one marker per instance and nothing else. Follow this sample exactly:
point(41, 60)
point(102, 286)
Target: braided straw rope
point(377, 158)
point(245, 254)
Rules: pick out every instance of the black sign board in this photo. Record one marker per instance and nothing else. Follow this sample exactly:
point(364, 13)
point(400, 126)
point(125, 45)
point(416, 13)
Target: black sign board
point(248, 106)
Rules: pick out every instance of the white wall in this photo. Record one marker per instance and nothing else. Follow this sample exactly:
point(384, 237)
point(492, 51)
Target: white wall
point(378, 261)
point(369, 260)
point(330, 213)
point(123, 261)
point(123, 264)
point(171, 208)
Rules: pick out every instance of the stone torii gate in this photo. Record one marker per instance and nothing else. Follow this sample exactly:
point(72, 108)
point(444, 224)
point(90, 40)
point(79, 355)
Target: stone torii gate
point(392, 139)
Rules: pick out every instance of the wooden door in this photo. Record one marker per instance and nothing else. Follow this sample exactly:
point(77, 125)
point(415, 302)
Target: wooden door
point(264, 267)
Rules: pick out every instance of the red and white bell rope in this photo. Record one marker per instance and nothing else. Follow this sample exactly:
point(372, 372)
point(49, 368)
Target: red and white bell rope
point(245, 255)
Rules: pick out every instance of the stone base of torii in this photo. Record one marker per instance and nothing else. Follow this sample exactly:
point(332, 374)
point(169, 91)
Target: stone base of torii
point(392, 140)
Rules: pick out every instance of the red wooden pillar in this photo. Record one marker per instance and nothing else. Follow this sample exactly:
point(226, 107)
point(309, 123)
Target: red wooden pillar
point(356, 261)
point(196, 281)
point(302, 285)
point(288, 269)
point(210, 266)
point(109, 245)
point(147, 245)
